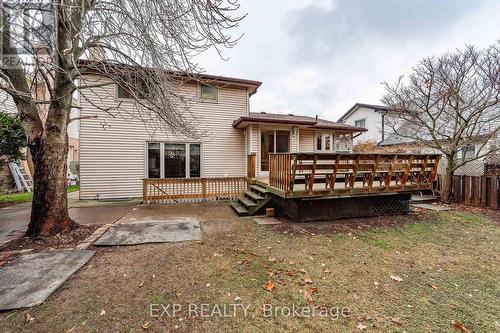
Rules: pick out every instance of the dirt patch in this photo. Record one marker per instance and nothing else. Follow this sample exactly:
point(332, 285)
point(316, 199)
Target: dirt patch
point(349, 226)
point(59, 241)
point(491, 214)
point(4, 204)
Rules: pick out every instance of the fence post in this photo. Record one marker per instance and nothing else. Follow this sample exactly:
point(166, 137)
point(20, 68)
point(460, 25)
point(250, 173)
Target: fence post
point(494, 192)
point(144, 191)
point(204, 189)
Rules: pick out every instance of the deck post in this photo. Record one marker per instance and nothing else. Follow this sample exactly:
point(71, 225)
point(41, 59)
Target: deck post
point(144, 191)
point(294, 171)
point(313, 173)
point(203, 189)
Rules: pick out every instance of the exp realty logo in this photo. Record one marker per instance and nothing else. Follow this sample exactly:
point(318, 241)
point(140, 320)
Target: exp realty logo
point(231, 310)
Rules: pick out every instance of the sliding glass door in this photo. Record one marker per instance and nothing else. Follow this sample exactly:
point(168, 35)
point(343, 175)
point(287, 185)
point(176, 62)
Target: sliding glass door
point(272, 141)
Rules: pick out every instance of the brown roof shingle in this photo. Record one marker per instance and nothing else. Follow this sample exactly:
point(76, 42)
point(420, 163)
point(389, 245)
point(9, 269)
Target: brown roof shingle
point(311, 122)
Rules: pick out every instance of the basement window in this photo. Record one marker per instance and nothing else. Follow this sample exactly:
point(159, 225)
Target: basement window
point(173, 160)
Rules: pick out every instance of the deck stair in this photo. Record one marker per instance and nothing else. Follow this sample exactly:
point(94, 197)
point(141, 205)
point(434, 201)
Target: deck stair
point(419, 198)
point(252, 200)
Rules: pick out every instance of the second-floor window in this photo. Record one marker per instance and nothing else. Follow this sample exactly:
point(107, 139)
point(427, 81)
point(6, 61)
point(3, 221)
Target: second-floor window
point(468, 152)
point(360, 123)
point(209, 93)
point(140, 90)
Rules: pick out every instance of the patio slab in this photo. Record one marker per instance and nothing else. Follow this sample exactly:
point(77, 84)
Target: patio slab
point(437, 208)
point(28, 280)
point(151, 232)
point(267, 220)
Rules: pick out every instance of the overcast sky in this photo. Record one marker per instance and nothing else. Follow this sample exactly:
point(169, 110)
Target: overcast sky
point(322, 56)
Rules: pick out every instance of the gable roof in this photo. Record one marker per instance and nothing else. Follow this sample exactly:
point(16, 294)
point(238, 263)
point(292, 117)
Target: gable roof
point(375, 108)
point(309, 122)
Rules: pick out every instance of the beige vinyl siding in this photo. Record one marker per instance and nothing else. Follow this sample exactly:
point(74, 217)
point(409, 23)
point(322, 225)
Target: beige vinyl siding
point(306, 141)
point(113, 149)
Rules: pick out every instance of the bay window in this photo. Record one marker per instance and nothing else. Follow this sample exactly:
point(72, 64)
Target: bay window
point(173, 160)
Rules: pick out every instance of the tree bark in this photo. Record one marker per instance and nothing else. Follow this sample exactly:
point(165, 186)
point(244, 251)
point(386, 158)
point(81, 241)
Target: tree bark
point(447, 191)
point(49, 208)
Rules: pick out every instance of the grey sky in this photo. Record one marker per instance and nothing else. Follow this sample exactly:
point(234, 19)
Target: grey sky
point(322, 56)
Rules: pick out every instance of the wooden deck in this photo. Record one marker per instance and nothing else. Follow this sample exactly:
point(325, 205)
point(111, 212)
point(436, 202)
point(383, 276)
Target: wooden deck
point(308, 175)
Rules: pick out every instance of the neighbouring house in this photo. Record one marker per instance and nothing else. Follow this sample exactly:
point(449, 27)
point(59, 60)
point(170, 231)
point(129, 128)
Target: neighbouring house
point(472, 150)
point(369, 116)
point(118, 152)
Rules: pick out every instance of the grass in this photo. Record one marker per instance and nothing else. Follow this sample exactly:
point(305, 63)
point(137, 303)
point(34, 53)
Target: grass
point(448, 263)
point(27, 196)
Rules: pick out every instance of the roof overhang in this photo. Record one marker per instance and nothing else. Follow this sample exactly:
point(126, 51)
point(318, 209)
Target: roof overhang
point(246, 121)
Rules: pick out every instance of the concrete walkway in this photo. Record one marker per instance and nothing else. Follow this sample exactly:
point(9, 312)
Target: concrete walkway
point(14, 219)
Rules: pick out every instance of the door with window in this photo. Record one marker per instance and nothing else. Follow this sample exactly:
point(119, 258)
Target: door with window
point(272, 141)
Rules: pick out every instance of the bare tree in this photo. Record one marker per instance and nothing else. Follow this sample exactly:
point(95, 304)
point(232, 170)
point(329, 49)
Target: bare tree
point(448, 103)
point(144, 46)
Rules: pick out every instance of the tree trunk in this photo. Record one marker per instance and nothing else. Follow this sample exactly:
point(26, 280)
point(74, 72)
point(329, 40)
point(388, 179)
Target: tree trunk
point(447, 190)
point(49, 209)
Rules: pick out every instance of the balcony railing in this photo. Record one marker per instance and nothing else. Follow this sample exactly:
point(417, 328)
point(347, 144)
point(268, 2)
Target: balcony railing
point(349, 173)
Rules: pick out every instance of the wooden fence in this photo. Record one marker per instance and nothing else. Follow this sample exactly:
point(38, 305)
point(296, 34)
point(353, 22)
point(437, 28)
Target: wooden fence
point(172, 190)
point(479, 191)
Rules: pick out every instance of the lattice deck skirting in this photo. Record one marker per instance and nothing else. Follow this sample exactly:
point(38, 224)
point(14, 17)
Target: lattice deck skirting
point(324, 209)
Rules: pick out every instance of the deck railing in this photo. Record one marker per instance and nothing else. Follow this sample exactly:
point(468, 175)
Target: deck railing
point(351, 172)
point(171, 190)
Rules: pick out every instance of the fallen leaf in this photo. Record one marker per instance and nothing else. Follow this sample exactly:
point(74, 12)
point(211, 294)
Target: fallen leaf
point(218, 255)
point(396, 278)
point(376, 283)
point(307, 280)
point(397, 320)
point(141, 284)
point(208, 285)
point(280, 281)
point(72, 329)
point(460, 327)
point(146, 325)
point(313, 290)
point(103, 312)
point(433, 286)
point(270, 272)
point(269, 286)
point(327, 271)
point(303, 271)
point(307, 296)
point(271, 259)
point(361, 326)
point(28, 317)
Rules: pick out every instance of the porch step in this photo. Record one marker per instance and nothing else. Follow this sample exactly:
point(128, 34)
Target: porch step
point(418, 199)
point(239, 208)
point(259, 189)
point(253, 195)
point(247, 202)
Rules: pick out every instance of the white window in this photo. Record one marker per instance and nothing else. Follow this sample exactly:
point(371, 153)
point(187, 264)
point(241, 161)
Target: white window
point(209, 93)
point(360, 123)
point(468, 152)
point(324, 142)
point(173, 160)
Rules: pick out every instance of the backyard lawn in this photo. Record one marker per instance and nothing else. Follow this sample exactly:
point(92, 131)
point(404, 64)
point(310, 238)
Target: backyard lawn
point(432, 272)
point(27, 196)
